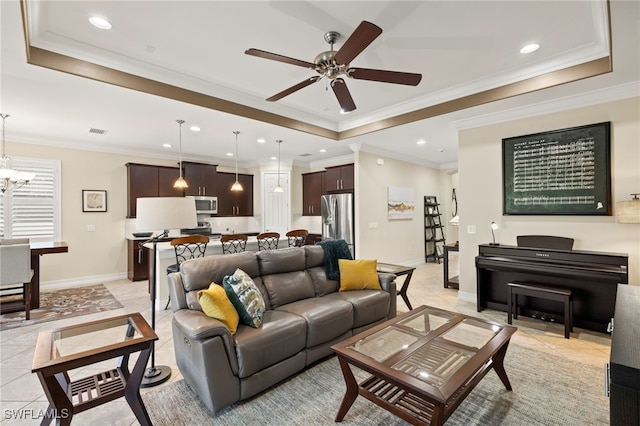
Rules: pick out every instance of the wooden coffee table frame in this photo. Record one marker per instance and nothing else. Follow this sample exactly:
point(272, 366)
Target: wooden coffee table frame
point(407, 397)
point(67, 397)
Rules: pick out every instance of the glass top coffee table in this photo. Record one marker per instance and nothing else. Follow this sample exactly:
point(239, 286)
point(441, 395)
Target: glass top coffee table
point(61, 350)
point(423, 363)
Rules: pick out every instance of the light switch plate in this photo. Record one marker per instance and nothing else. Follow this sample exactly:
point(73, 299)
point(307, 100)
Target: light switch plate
point(471, 229)
point(91, 228)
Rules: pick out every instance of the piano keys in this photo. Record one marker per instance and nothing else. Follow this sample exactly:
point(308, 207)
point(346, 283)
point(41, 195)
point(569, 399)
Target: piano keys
point(592, 276)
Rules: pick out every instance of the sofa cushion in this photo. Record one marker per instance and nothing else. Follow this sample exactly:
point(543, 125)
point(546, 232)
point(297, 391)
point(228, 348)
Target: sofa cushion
point(288, 287)
point(282, 260)
point(314, 256)
point(369, 306)
point(321, 283)
point(358, 274)
point(198, 273)
point(216, 304)
point(326, 318)
point(245, 296)
point(281, 336)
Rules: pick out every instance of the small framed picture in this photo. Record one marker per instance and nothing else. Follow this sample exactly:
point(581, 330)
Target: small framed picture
point(94, 200)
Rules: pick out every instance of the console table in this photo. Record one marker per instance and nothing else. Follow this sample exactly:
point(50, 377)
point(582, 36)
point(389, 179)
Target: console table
point(453, 282)
point(61, 350)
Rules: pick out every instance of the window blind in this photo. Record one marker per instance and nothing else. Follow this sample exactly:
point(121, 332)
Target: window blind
point(33, 211)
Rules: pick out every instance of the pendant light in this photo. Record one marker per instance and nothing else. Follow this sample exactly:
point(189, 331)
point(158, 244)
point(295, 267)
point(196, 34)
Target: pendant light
point(180, 183)
point(278, 188)
point(236, 185)
point(9, 176)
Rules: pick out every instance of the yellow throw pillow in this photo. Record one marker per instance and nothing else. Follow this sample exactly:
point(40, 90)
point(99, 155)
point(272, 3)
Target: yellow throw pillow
point(216, 304)
point(358, 275)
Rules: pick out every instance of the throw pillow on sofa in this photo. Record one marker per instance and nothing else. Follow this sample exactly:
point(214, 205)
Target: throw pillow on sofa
point(358, 275)
point(216, 304)
point(245, 296)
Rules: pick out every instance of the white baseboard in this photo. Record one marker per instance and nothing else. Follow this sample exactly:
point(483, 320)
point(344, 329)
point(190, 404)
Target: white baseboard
point(467, 297)
point(82, 281)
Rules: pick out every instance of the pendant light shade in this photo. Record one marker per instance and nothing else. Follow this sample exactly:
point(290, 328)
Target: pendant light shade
point(278, 188)
point(180, 183)
point(236, 185)
point(9, 176)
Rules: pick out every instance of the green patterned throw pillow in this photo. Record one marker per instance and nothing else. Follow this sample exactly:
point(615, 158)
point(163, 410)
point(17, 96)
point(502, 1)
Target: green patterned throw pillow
point(245, 296)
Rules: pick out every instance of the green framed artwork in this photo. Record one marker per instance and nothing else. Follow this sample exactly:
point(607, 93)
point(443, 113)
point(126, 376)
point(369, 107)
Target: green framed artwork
point(559, 172)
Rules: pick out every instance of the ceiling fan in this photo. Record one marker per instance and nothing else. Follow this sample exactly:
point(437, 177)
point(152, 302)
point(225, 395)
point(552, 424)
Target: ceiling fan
point(335, 64)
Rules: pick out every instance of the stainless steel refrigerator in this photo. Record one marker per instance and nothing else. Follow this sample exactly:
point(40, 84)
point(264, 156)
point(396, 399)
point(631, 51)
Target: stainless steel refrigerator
point(338, 219)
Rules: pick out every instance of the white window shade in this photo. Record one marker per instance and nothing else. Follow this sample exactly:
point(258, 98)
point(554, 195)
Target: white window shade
point(33, 210)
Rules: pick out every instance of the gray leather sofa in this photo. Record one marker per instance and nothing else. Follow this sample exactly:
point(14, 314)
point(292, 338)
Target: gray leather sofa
point(305, 315)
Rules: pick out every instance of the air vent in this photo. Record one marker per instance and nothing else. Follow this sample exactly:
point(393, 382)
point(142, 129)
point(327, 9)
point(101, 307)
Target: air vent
point(98, 131)
point(304, 155)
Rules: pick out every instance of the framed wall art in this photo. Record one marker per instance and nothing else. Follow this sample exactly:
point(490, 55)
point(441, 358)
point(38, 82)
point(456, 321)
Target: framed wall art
point(94, 200)
point(560, 172)
point(400, 203)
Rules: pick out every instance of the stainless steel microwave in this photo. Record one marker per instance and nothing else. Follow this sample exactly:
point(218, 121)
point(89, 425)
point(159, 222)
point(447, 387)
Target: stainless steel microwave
point(206, 205)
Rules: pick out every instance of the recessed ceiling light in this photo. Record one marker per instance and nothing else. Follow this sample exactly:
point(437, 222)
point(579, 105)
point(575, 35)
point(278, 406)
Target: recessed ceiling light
point(99, 22)
point(274, 158)
point(166, 145)
point(194, 128)
point(229, 154)
point(323, 150)
point(261, 140)
point(530, 48)
point(421, 142)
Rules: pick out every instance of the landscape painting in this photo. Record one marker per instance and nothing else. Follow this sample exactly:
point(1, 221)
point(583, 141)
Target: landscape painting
point(400, 204)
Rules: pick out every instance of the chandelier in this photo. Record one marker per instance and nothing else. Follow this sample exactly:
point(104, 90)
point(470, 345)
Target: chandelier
point(9, 176)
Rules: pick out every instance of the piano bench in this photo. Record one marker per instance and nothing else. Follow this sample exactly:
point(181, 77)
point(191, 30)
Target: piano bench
point(535, 290)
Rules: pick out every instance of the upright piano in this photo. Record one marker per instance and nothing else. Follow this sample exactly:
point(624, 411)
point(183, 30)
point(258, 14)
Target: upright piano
point(593, 278)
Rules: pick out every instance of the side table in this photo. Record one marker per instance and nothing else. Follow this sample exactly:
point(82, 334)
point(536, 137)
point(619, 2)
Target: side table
point(452, 282)
point(399, 270)
point(63, 349)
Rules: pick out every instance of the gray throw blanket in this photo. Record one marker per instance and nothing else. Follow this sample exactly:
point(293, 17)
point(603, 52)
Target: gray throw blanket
point(334, 250)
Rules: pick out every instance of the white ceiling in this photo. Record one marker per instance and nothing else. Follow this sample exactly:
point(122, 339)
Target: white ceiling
point(459, 47)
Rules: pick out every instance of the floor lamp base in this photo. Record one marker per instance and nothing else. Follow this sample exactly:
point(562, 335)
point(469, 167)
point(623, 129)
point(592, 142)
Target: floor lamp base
point(155, 376)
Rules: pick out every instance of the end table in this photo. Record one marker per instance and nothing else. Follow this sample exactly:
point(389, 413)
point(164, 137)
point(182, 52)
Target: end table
point(63, 349)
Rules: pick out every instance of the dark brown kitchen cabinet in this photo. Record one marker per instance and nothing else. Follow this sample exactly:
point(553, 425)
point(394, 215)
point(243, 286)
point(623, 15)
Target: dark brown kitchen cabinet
point(144, 180)
point(234, 203)
point(339, 179)
point(201, 178)
point(312, 190)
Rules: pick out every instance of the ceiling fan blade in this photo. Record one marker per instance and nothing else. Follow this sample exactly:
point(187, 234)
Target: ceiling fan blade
point(397, 77)
point(342, 93)
point(357, 42)
point(280, 58)
point(295, 88)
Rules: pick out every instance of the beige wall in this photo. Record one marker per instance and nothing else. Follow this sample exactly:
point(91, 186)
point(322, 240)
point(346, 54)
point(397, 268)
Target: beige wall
point(480, 192)
point(392, 241)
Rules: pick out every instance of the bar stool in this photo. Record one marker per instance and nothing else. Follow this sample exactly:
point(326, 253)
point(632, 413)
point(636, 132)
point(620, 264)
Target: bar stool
point(297, 237)
point(268, 241)
point(233, 243)
point(186, 248)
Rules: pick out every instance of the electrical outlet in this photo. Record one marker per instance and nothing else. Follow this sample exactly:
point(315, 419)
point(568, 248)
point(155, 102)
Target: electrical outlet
point(91, 228)
point(471, 229)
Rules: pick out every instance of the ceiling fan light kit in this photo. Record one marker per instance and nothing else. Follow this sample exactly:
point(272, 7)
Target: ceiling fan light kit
point(335, 64)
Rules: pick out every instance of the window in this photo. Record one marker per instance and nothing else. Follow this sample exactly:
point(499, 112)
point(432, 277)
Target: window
point(33, 211)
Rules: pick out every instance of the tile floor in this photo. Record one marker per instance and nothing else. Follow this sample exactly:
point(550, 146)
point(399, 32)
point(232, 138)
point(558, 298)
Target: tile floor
point(21, 393)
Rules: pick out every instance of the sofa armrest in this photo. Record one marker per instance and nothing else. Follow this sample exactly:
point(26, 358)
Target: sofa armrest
point(388, 284)
point(197, 326)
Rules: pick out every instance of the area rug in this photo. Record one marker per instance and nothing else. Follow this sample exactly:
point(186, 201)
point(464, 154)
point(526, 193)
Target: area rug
point(546, 391)
point(64, 303)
